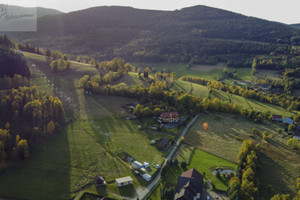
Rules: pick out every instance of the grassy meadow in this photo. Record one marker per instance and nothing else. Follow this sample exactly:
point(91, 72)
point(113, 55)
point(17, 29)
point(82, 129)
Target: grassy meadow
point(64, 166)
point(224, 138)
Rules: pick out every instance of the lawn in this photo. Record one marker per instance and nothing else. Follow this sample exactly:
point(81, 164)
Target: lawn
point(206, 162)
point(224, 138)
point(191, 88)
point(251, 103)
point(64, 166)
point(200, 160)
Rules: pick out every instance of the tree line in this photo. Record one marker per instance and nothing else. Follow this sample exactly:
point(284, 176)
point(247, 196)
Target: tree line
point(245, 184)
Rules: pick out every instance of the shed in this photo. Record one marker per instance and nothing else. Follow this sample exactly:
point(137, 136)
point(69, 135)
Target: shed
point(137, 164)
point(277, 118)
point(147, 177)
point(146, 165)
point(124, 181)
point(99, 180)
point(163, 143)
point(297, 135)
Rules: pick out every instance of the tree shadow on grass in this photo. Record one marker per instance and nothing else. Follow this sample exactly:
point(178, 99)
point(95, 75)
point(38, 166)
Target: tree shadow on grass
point(271, 173)
point(128, 192)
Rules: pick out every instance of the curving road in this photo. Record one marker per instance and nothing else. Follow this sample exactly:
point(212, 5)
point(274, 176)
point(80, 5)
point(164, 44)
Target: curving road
point(144, 194)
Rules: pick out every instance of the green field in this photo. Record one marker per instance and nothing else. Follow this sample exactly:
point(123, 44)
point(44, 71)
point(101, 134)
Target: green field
point(208, 71)
point(64, 166)
point(200, 160)
point(190, 88)
point(250, 103)
point(224, 138)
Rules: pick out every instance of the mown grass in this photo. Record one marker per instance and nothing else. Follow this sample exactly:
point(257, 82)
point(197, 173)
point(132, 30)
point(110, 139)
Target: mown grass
point(224, 138)
point(65, 165)
point(251, 104)
point(191, 88)
point(201, 161)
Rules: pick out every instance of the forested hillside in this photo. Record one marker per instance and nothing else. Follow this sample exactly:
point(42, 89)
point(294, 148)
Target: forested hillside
point(190, 34)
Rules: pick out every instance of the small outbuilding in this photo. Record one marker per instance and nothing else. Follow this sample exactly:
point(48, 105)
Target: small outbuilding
point(163, 143)
point(147, 177)
point(277, 118)
point(146, 165)
point(124, 181)
point(137, 165)
point(297, 135)
point(99, 180)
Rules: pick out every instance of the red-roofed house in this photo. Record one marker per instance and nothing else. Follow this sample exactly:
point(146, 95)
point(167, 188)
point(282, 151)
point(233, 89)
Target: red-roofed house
point(170, 117)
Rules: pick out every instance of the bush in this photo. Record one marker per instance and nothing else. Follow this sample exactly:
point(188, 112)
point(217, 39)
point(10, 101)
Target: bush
point(183, 165)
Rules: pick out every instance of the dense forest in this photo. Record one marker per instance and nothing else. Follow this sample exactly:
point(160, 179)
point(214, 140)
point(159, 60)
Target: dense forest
point(26, 116)
point(200, 34)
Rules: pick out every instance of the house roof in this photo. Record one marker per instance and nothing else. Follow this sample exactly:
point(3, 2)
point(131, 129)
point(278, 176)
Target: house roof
point(297, 133)
point(164, 141)
point(169, 115)
point(277, 116)
point(192, 173)
point(124, 179)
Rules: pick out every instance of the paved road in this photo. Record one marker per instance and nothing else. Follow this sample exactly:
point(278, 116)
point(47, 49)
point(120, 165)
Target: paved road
point(157, 178)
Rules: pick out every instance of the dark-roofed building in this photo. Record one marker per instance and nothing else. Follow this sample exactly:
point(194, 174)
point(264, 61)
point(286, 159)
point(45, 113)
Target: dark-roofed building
point(189, 185)
point(163, 143)
point(277, 118)
point(297, 135)
point(99, 180)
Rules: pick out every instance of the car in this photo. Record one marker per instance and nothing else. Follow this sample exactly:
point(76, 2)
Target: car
point(208, 198)
point(136, 173)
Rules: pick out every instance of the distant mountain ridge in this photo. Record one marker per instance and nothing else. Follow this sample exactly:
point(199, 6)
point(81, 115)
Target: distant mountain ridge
point(136, 34)
point(295, 25)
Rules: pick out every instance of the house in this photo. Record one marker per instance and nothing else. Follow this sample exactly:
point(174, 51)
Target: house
point(137, 164)
point(99, 180)
point(277, 118)
point(189, 185)
point(124, 181)
point(147, 177)
point(288, 120)
point(265, 87)
point(146, 165)
point(297, 135)
point(163, 143)
point(169, 117)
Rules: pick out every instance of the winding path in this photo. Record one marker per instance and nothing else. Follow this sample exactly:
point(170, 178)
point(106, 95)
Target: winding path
point(144, 194)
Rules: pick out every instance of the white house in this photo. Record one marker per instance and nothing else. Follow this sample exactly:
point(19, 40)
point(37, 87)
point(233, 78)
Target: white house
point(147, 177)
point(124, 181)
point(137, 164)
point(146, 165)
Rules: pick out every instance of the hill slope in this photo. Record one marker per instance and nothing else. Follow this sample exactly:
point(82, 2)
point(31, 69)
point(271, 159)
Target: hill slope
point(295, 26)
point(137, 34)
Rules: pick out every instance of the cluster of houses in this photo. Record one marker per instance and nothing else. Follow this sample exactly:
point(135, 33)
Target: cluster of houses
point(266, 88)
point(288, 121)
point(189, 186)
point(169, 118)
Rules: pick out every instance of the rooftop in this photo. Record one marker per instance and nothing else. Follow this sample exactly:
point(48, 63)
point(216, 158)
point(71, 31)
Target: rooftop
point(124, 179)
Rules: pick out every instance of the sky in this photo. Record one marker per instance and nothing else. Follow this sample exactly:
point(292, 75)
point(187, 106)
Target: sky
point(285, 11)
